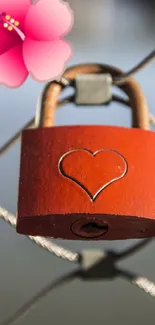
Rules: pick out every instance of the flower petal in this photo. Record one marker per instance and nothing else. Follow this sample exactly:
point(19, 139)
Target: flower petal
point(47, 20)
point(16, 9)
point(46, 60)
point(13, 71)
point(7, 41)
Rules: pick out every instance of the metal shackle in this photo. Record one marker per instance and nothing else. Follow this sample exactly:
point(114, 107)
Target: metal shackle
point(51, 92)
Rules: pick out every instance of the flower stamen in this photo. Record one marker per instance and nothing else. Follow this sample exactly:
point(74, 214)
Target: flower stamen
point(7, 17)
point(11, 24)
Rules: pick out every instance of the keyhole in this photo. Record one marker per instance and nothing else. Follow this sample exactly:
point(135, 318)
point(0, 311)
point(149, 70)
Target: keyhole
point(89, 227)
point(94, 227)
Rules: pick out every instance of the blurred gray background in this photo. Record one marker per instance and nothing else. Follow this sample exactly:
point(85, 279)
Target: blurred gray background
point(108, 31)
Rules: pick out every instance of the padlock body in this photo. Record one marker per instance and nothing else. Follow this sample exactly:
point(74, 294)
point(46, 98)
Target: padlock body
point(87, 182)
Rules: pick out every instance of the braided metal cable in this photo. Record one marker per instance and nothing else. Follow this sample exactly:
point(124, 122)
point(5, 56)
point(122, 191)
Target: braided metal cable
point(41, 241)
point(145, 284)
point(11, 219)
point(121, 79)
point(141, 282)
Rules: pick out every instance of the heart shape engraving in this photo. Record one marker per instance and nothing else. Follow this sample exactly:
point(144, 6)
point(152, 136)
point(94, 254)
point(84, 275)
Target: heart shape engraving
point(84, 173)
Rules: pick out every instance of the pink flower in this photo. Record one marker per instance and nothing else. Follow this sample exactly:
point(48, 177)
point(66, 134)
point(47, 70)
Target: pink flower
point(31, 40)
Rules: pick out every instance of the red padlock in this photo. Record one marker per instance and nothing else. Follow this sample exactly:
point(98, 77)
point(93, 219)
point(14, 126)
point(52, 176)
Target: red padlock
point(88, 182)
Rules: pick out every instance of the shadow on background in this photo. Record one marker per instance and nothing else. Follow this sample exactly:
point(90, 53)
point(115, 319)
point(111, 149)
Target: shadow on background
point(105, 269)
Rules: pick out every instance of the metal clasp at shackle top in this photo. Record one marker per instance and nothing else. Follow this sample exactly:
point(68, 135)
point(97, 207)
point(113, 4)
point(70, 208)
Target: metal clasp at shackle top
point(93, 86)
